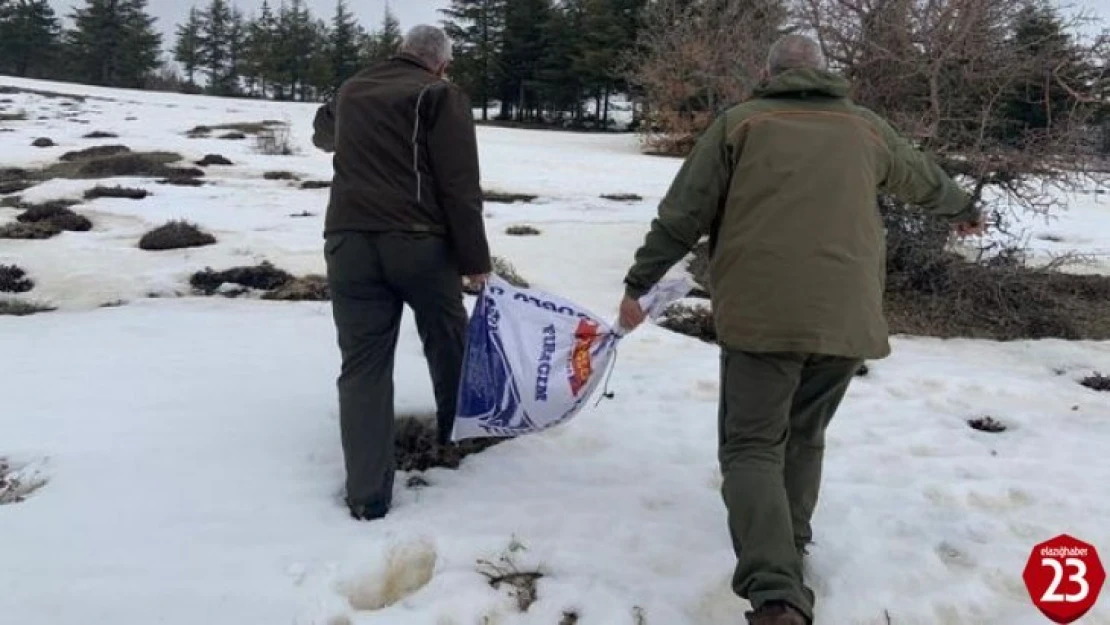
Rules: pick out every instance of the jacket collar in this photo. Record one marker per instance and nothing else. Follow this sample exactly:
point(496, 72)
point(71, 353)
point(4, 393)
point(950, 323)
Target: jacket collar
point(413, 59)
point(804, 82)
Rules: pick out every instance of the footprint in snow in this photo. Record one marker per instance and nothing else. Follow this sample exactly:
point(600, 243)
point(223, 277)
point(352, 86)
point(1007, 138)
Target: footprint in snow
point(406, 569)
point(1012, 499)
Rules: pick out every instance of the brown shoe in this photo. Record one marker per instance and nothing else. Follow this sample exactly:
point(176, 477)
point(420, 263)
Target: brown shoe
point(776, 613)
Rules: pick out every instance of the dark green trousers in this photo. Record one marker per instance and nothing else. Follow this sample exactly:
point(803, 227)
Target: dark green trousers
point(773, 414)
point(371, 276)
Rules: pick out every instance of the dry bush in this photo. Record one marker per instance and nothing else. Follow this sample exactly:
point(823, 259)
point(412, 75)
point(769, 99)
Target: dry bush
point(416, 446)
point(506, 572)
point(233, 136)
point(100, 134)
point(182, 181)
point(264, 277)
point(986, 424)
point(13, 279)
point(239, 130)
point(280, 175)
point(1097, 382)
point(43, 142)
point(498, 197)
point(214, 159)
point(505, 270)
point(175, 235)
point(58, 216)
point(14, 487)
point(521, 231)
point(21, 308)
point(15, 186)
point(126, 193)
point(13, 117)
point(29, 231)
point(685, 72)
point(303, 214)
point(99, 151)
point(126, 164)
point(622, 197)
point(311, 288)
point(274, 141)
point(693, 321)
point(316, 184)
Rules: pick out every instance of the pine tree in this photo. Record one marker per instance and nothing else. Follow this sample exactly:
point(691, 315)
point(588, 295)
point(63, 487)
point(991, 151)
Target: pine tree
point(215, 47)
point(236, 39)
point(477, 29)
point(187, 49)
point(343, 43)
point(321, 71)
point(384, 43)
point(113, 43)
point(258, 58)
point(30, 34)
point(523, 53)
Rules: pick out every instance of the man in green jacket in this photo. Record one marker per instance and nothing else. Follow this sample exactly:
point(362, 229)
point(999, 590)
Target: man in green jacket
point(785, 186)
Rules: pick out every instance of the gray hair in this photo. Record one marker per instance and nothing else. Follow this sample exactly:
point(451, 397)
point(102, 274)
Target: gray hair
point(794, 52)
point(429, 44)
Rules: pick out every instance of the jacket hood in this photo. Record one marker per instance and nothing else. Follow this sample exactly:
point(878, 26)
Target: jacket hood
point(805, 81)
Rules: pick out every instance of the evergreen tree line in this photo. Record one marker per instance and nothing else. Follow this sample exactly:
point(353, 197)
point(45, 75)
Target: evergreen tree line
point(544, 60)
point(533, 61)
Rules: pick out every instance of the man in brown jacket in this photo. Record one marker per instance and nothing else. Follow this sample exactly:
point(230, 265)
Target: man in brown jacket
point(404, 226)
point(785, 186)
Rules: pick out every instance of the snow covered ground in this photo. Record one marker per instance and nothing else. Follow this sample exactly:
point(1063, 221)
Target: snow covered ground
point(191, 444)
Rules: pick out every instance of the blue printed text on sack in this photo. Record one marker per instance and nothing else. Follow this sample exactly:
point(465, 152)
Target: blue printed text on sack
point(544, 369)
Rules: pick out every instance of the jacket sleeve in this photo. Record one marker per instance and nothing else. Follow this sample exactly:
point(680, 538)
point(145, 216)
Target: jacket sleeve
point(323, 135)
point(687, 212)
point(914, 177)
point(453, 157)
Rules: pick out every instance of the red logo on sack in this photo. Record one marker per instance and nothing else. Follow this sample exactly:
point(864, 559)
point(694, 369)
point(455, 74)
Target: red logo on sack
point(581, 365)
point(1064, 576)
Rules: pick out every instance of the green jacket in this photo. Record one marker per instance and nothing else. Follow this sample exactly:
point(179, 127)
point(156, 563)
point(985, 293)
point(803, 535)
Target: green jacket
point(786, 187)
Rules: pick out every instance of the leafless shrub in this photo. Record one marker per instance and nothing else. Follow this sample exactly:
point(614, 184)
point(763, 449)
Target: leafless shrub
point(39, 230)
point(505, 270)
point(622, 197)
point(498, 197)
point(100, 134)
point(506, 572)
point(56, 213)
point(43, 142)
point(986, 424)
point(175, 235)
point(311, 288)
point(280, 175)
point(688, 75)
point(116, 192)
point(1097, 382)
point(274, 141)
point(416, 446)
point(22, 308)
point(214, 159)
point(264, 276)
point(521, 231)
point(236, 130)
point(693, 321)
point(316, 184)
point(99, 151)
point(13, 279)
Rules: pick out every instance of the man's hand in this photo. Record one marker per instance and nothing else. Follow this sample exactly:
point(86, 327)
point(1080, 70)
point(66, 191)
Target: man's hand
point(632, 315)
point(477, 280)
point(970, 228)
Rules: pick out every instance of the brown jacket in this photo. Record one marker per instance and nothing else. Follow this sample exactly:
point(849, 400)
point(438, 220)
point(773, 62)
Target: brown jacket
point(785, 186)
point(406, 158)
